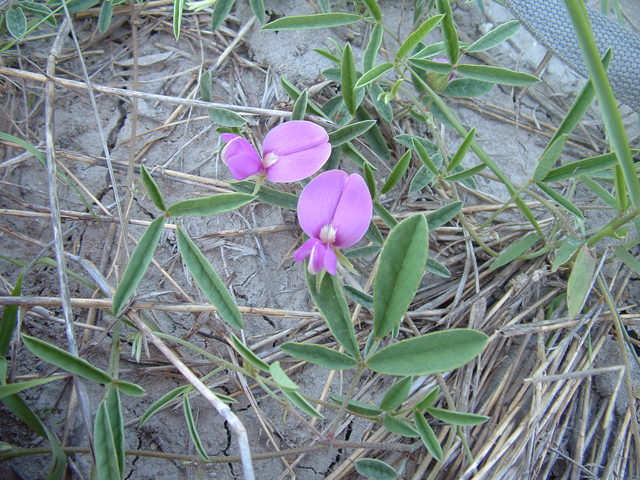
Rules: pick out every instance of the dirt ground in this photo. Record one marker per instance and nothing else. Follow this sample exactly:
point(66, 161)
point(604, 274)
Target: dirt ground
point(254, 261)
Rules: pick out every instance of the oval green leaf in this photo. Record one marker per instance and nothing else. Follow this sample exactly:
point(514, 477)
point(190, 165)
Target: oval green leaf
point(587, 166)
point(129, 388)
point(257, 7)
point(495, 37)
point(359, 296)
point(104, 447)
point(431, 65)
point(114, 409)
point(281, 378)
point(449, 32)
point(568, 247)
point(457, 418)
point(302, 404)
point(385, 215)
point(350, 132)
point(549, 158)
point(205, 206)
point(374, 8)
point(306, 22)
point(16, 22)
point(431, 353)
point(464, 174)
point(441, 216)
point(401, 267)
point(397, 394)
point(164, 400)
point(269, 195)
point(360, 408)
point(421, 179)
point(300, 107)
point(580, 281)
point(349, 78)
point(499, 75)
point(413, 39)
point(248, 355)
point(373, 74)
point(428, 399)
point(225, 118)
point(397, 173)
point(435, 267)
point(371, 52)
point(320, 355)
point(220, 12)
point(467, 88)
point(152, 188)
point(560, 200)
point(427, 436)
point(363, 252)
point(399, 427)
point(376, 469)
point(515, 250)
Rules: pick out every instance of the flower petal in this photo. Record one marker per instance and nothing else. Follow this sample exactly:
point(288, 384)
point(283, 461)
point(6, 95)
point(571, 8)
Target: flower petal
point(296, 166)
point(353, 213)
point(241, 158)
point(305, 250)
point(294, 136)
point(318, 201)
point(316, 259)
point(330, 261)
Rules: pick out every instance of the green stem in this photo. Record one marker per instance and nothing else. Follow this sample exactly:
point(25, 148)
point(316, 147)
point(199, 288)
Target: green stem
point(613, 225)
point(504, 206)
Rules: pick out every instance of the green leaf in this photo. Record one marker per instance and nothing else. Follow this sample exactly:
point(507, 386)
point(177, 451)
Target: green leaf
point(600, 191)
point(376, 469)
point(66, 361)
point(628, 259)
point(104, 446)
point(294, 93)
point(397, 394)
point(152, 189)
point(359, 296)
point(431, 65)
point(427, 436)
point(371, 52)
point(129, 388)
point(457, 418)
point(206, 87)
point(401, 267)
point(363, 252)
point(356, 157)
point(407, 141)
point(428, 399)
point(327, 54)
point(248, 354)
point(178, 7)
point(13, 388)
point(560, 200)
point(76, 6)
point(43, 12)
point(435, 267)
point(431, 353)
point(269, 195)
point(374, 8)
point(467, 88)
point(349, 132)
point(225, 398)
point(462, 151)
point(421, 179)
point(302, 404)
point(515, 250)
point(333, 307)
point(495, 37)
point(449, 33)
point(138, 264)
point(158, 404)
point(320, 355)
point(9, 319)
point(580, 281)
point(424, 157)
point(399, 427)
point(370, 180)
point(499, 75)
point(193, 431)
point(373, 233)
point(569, 246)
point(205, 206)
point(413, 39)
point(220, 12)
point(587, 166)
point(382, 107)
point(549, 158)
point(376, 141)
point(373, 74)
point(305, 22)
point(397, 173)
point(16, 22)
point(385, 215)
point(300, 107)
point(257, 6)
point(208, 280)
point(464, 174)
point(441, 216)
point(281, 378)
point(116, 421)
point(225, 118)
point(349, 78)
point(360, 408)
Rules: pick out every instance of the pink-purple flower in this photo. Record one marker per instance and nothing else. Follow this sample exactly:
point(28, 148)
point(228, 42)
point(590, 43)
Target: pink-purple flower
point(292, 151)
point(334, 211)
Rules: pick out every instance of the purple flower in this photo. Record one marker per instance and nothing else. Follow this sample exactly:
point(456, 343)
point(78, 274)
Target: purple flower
point(335, 211)
point(292, 151)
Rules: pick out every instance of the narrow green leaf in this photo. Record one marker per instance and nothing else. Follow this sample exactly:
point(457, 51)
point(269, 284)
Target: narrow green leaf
point(441, 216)
point(225, 398)
point(374, 8)
point(499, 75)
point(178, 7)
point(193, 431)
point(560, 200)
point(138, 264)
point(106, 14)
point(464, 174)
point(359, 296)
point(388, 219)
point(373, 136)
point(467, 88)
point(399, 427)
point(462, 151)
point(549, 158)
point(294, 93)
point(407, 141)
point(628, 259)
point(431, 353)
point(428, 399)
point(515, 250)
point(431, 65)
point(104, 446)
point(128, 388)
point(587, 166)
point(599, 190)
point(397, 173)
point(208, 280)
point(257, 6)
point(281, 378)
point(9, 319)
point(373, 74)
point(349, 132)
point(435, 267)
point(413, 39)
point(457, 418)
point(13, 388)
point(373, 234)
point(305, 22)
point(302, 404)
point(248, 354)
point(360, 408)
point(428, 51)
point(16, 22)
point(300, 107)
point(495, 37)
point(568, 247)
point(269, 195)
point(44, 12)
point(348, 76)
point(363, 252)
point(76, 6)
point(116, 421)
point(333, 307)
point(206, 87)
point(370, 180)
point(383, 108)
point(449, 33)
point(152, 189)
point(225, 118)
point(205, 206)
point(421, 179)
point(424, 157)
point(320, 355)
point(401, 267)
point(164, 400)
point(427, 436)
point(66, 361)
point(580, 281)
point(371, 52)
point(220, 12)
point(397, 394)
point(327, 54)
point(376, 469)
